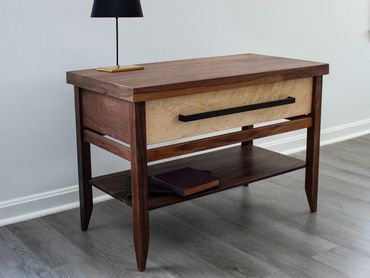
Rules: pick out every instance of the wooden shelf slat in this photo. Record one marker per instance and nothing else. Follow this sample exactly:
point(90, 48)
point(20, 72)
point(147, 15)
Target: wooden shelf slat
point(234, 166)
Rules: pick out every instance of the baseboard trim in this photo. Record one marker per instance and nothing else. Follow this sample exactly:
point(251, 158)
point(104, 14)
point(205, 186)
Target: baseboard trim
point(297, 143)
point(38, 205)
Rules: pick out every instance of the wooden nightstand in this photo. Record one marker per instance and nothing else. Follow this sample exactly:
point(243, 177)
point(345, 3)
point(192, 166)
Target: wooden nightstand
point(180, 99)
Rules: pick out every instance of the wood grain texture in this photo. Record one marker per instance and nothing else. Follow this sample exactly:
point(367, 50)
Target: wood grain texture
point(162, 114)
point(263, 231)
point(246, 135)
point(139, 108)
point(247, 143)
point(233, 167)
point(107, 144)
point(166, 79)
point(19, 260)
point(313, 146)
point(84, 164)
point(139, 184)
point(106, 115)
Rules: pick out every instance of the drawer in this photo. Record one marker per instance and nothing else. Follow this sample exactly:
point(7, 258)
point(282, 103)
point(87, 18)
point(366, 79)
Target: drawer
point(162, 115)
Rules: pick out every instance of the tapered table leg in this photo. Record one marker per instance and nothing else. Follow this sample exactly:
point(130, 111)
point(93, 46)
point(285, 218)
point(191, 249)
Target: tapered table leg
point(139, 184)
point(84, 166)
point(247, 143)
point(313, 146)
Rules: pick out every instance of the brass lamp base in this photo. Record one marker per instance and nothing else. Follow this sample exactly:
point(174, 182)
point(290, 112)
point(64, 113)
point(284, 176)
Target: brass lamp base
point(120, 69)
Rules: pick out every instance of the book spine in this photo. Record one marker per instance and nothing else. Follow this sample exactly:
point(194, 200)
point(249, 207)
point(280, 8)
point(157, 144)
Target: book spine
point(167, 185)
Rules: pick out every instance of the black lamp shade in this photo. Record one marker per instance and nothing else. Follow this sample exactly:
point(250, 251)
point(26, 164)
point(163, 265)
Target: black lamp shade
point(117, 8)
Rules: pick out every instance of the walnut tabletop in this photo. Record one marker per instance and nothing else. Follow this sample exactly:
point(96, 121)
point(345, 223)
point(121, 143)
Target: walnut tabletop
point(165, 79)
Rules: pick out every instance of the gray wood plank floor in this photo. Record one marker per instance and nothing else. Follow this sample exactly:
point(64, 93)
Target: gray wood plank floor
point(265, 230)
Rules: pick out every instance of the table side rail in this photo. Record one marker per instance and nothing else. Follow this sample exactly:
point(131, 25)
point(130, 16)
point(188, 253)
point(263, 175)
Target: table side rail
point(228, 139)
point(109, 145)
point(179, 149)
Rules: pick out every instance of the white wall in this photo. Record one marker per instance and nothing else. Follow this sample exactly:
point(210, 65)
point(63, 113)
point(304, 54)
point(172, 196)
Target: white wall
point(41, 39)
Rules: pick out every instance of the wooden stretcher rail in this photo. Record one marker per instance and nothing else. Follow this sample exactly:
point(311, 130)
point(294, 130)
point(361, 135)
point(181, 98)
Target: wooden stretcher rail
point(227, 139)
point(106, 144)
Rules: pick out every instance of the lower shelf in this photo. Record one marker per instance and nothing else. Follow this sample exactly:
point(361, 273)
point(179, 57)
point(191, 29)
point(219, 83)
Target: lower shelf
point(234, 166)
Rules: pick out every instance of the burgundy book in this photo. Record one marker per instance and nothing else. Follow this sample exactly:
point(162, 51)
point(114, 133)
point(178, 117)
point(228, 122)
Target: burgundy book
point(186, 181)
point(153, 189)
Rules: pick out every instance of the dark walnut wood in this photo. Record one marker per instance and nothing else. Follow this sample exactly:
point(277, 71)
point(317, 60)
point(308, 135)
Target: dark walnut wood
point(234, 166)
point(247, 143)
point(84, 166)
point(313, 146)
point(107, 144)
point(106, 115)
point(139, 184)
point(113, 105)
point(165, 79)
point(247, 135)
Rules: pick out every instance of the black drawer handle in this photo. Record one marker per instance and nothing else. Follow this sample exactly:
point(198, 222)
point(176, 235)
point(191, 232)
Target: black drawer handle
point(234, 110)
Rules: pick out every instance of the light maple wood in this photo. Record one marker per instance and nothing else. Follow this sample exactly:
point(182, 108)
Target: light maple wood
point(244, 136)
point(162, 114)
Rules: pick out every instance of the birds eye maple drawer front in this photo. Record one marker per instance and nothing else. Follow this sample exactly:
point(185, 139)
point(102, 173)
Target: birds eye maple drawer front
point(224, 109)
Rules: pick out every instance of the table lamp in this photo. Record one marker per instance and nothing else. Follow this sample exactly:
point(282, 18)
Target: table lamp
point(116, 9)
